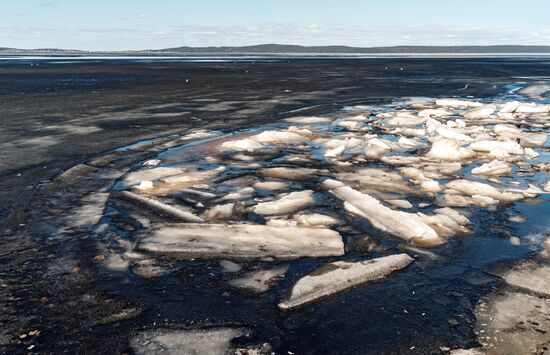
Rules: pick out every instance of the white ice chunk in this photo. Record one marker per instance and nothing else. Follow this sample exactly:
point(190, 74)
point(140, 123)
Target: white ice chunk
point(509, 107)
point(504, 129)
point(144, 185)
point(290, 173)
point(151, 162)
point(493, 168)
point(242, 145)
point(432, 125)
point(480, 112)
point(308, 120)
point(531, 153)
point(408, 226)
point(510, 147)
point(532, 108)
point(429, 185)
point(409, 132)
point(314, 220)
point(408, 142)
point(280, 222)
point(456, 200)
point(192, 177)
point(356, 118)
point(137, 177)
point(449, 149)
point(342, 275)
point(242, 241)
point(336, 152)
point(348, 143)
point(450, 133)
point(174, 211)
point(227, 211)
point(406, 120)
point(352, 125)
point(230, 266)
point(447, 222)
point(279, 137)
point(457, 103)
point(376, 148)
point(531, 276)
point(240, 195)
point(471, 188)
point(434, 112)
point(208, 341)
point(400, 203)
point(260, 280)
point(285, 204)
point(532, 139)
point(270, 185)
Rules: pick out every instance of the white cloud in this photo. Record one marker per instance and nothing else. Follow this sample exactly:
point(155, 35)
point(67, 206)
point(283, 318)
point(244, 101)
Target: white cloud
point(134, 36)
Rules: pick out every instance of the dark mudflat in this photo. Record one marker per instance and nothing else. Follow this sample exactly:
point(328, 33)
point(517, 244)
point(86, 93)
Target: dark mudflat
point(55, 116)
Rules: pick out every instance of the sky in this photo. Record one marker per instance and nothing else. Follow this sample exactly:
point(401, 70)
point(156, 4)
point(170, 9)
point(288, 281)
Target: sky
point(155, 24)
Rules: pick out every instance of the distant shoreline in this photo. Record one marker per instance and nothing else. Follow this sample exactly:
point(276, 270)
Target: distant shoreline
point(280, 50)
point(225, 55)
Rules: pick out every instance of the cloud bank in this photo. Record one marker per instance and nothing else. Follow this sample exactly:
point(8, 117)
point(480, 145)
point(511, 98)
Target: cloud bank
point(146, 36)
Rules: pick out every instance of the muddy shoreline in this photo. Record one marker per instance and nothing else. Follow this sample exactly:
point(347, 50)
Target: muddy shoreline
point(54, 285)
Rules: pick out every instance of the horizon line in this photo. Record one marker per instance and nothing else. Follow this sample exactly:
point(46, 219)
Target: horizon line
point(2, 48)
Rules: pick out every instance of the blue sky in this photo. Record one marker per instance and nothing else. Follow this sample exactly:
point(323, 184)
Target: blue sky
point(140, 24)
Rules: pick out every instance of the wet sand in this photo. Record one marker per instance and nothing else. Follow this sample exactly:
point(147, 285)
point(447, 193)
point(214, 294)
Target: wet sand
point(55, 116)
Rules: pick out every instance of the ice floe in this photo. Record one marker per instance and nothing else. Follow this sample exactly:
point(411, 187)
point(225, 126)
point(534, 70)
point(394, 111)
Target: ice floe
point(259, 281)
point(408, 226)
point(192, 341)
point(493, 168)
point(285, 204)
point(341, 275)
point(242, 241)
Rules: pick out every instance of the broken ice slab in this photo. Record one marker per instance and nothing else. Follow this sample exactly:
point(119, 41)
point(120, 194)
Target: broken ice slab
point(260, 280)
point(408, 226)
point(242, 241)
point(378, 179)
point(224, 212)
point(457, 103)
point(450, 133)
point(450, 150)
point(532, 108)
point(509, 147)
point(290, 173)
point(341, 275)
point(286, 137)
point(308, 219)
point(512, 323)
point(246, 144)
point(493, 168)
point(191, 341)
point(474, 188)
point(286, 203)
point(271, 185)
point(406, 120)
point(192, 177)
point(174, 211)
point(308, 120)
point(480, 112)
point(531, 276)
point(136, 177)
